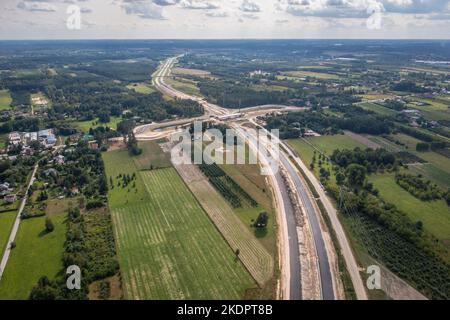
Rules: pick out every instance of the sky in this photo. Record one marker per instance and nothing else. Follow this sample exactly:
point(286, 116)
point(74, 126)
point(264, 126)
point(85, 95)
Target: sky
point(224, 19)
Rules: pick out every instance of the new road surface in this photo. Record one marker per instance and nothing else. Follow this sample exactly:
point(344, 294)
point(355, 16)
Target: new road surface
point(290, 237)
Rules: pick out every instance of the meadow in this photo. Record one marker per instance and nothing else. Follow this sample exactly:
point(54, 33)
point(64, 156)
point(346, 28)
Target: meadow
point(377, 108)
point(141, 87)
point(436, 168)
point(119, 163)
point(151, 157)
point(432, 109)
point(86, 125)
point(435, 215)
point(6, 223)
point(326, 145)
point(167, 246)
point(318, 75)
point(184, 85)
point(191, 72)
point(37, 253)
point(5, 100)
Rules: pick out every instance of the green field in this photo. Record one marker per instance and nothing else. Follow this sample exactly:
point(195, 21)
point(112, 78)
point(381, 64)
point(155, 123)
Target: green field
point(191, 72)
point(433, 110)
point(263, 87)
point(6, 223)
point(436, 159)
point(86, 125)
point(435, 215)
point(27, 72)
point(184, 85)
point(326, 145)
point(141, 87)
point(318, 75)
point(151, 156)
point(430, 172)
point(168, 248)
point(438, 167)
point(37, 254)
point(409, 141)
point(5, 100)
point(116, 163)
point(248, 177)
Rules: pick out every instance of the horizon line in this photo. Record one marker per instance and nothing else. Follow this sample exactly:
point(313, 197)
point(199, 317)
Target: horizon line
point(230, 39)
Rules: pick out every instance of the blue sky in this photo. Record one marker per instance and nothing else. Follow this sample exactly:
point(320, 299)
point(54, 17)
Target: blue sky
point(153, 19)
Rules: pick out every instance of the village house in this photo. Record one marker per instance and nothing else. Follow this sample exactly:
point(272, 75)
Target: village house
point(10, 198)
point(14, 138)
point(59, 159)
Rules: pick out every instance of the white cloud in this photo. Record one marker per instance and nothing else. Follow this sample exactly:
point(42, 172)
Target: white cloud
point(198, 4)
point(249, 6)
point(143, 9)
point(218, 18)
point(217, 14)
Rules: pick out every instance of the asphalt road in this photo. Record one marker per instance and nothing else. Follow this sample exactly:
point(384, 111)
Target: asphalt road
point(289, 215)
point(295, 291)
point(290, 227)
point(326, 281)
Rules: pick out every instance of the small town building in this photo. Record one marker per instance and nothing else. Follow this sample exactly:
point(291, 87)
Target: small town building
point(59, 159)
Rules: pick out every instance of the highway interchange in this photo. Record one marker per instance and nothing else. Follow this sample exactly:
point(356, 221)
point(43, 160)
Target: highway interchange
point(289, 243)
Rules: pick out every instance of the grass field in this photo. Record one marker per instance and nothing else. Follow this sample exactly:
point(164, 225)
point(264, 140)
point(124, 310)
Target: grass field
point(151, 156)
point(253, 254)
point(5, 100)
point(27, 72)
point(192, 72)
point(318, 75)
point(328, 144)
point(437, 168)
point(116, 163)
point(6, 223)
point(377, 108)
point(184, 85)
point(86, 125)
point(142, 87)
point(375, 96)
point(426, 70)
point(435, 215)
point(409, 141)
point(37, 254)
point(433, 110)
point(325, 145)
point(430, 172)
point(3, 140)
point(249, 178)
point(272, 88)
point(168, 248)
point(436, 159)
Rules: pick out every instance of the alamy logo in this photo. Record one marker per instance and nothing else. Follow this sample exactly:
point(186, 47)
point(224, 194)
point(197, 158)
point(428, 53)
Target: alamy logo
point(374, 279)
point(374, 21)
point(239, 146)
point(74, 20)
point(74, 280)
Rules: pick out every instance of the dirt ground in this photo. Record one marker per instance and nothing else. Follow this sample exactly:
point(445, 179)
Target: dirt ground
point(115, 289)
